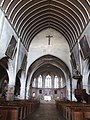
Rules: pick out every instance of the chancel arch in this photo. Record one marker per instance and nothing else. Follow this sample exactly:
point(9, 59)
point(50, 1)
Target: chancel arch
point(49, 71)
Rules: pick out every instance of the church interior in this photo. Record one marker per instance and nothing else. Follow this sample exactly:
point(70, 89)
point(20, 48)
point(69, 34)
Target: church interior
point(45, 59)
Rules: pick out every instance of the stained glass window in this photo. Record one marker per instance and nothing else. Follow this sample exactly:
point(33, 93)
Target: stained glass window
point(34, 83)
point(48, 83)
point(56, 82)
point(61, 82)
point(40, 81)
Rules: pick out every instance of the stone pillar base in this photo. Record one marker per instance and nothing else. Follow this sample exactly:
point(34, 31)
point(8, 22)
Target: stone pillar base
point(10, 93)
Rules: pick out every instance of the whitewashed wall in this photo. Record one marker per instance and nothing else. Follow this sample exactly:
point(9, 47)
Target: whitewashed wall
point(84, 63)
point(58, 47)
point(6, 32)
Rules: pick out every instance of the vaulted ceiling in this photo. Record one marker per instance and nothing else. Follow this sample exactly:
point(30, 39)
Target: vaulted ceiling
point(29, 17)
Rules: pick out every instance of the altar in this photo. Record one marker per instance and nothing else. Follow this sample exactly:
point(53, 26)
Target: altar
point(47, 98)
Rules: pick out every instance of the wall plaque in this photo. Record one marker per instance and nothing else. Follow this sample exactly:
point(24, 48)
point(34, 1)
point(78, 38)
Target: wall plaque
point(11, 49)
point(85, 49)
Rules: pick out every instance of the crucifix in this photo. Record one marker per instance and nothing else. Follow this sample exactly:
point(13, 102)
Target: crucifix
point(49, 39)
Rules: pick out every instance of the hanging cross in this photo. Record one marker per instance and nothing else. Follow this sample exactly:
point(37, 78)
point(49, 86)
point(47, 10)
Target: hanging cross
point(49, 39)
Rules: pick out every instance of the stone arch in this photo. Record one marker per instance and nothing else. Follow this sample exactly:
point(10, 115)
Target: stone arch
point(49, 61)
point(20, 84)
point(11, 72)
point(86, 72)
point(48, 71)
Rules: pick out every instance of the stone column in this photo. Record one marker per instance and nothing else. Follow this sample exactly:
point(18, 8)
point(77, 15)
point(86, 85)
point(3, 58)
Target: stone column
point(22, 90)
point(27, 92)
point(11, 84)
point(30, 92)
point(12, 70)
point(68, 90)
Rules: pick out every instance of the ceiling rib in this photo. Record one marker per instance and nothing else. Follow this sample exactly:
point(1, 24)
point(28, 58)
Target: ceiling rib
point(28, 17)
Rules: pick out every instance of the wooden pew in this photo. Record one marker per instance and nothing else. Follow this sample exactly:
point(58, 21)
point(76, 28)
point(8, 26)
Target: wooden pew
point(3, 114)
point(9, 113)
point(86, 115)
point(17, 108)
point(74, 110)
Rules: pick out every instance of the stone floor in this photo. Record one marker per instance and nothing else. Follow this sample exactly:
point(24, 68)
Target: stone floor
point(46, 112)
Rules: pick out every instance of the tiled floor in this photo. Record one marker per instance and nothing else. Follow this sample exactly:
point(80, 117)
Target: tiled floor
point(46, 112)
